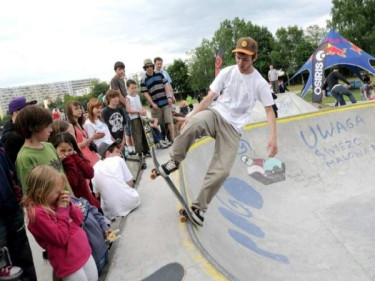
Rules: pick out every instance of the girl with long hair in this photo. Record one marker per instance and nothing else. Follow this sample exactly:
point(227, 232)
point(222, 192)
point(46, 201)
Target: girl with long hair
point(74, 112)
point(94, 122)
point(76, 167)
point(55, 224)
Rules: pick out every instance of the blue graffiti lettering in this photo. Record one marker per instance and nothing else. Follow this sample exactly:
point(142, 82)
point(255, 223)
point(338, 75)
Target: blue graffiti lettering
point(243, 193)
point(314, 133)
point(236, 207)
point(243, 147)
point(340, 127)
point(325, 134)
point(239, 215)
point(251, 245)
point(242, 223)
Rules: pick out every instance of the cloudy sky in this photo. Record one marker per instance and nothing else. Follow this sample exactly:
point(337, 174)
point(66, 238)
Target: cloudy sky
point(44, 41)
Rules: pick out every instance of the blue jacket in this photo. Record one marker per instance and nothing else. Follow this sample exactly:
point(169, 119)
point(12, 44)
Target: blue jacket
point(94, 224)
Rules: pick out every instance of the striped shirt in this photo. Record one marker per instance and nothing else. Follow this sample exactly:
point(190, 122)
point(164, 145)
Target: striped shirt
point(154, 85)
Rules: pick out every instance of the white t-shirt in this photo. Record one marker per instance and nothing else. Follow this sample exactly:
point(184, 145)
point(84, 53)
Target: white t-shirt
point(238, 93)
point(135, 103)
point(98, 126)
point(272, 75)
point(110, 177)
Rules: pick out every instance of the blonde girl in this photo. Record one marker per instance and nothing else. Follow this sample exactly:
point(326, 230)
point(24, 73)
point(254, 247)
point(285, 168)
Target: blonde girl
point(55, 224)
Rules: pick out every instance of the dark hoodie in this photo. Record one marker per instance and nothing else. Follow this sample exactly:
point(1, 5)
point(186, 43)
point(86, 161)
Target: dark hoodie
point(10, 190)
point(12, 141)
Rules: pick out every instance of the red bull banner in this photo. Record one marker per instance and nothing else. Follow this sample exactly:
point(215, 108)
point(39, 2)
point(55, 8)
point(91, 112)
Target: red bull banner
point(218, 61)
point(318, 66)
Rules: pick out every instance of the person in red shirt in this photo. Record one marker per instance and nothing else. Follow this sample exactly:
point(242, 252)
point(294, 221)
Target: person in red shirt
point(56, 114)
point(56, 223)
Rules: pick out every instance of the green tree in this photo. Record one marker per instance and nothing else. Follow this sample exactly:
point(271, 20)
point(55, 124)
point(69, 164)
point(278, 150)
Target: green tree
point(178, 71)
point(230, 31)
point(58, 103)
point(314, 34)
point(201, 63)
point(353, 19)
point(289, 41)
point(83, 100)
point(201, 66)
point(98, 87)
point(303, 51)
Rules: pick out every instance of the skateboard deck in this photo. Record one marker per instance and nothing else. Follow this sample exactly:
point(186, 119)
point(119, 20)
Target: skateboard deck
point(148, 132)
point(185, 213)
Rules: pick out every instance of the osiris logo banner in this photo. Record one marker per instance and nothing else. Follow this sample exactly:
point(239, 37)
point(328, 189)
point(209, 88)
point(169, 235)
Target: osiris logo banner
point(318, 66)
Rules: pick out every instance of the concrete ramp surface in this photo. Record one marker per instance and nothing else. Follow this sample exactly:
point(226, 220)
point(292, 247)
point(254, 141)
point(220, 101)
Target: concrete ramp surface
point(288, 104)
point(308, 214)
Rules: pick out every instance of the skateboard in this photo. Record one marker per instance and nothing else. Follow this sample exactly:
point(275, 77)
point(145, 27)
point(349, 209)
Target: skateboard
point(147, 131)
point(185, 213)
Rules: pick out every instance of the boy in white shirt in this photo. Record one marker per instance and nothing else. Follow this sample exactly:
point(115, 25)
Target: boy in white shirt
point(113, 180)
point(135, 110)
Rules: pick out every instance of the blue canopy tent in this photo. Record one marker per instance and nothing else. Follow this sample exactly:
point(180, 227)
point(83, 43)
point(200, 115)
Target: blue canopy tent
point(341, 52)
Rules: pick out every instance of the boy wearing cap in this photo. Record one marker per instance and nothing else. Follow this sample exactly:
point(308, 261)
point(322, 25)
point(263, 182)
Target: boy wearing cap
point(13, 142)
point(221, 115)
point(154, 86)
point(113, 180)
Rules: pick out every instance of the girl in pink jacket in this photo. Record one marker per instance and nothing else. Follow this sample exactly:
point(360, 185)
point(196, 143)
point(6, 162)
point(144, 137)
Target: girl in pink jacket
point(56, 225)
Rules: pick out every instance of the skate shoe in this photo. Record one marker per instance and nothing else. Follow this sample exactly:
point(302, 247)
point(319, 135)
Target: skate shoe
point(147, 154)
point(197, 214)
point(166, 143)
point(169, 167)
point(161, 145)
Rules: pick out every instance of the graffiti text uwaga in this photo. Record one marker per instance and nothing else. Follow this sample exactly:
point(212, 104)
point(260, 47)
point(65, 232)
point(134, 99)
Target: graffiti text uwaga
point(319, 139)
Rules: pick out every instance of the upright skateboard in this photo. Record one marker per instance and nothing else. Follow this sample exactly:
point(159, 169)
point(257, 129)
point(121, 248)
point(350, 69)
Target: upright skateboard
point(147, 131)
point(185, 212)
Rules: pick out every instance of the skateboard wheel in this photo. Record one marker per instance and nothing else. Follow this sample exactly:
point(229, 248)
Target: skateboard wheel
point(153, 175)
point(183, 219)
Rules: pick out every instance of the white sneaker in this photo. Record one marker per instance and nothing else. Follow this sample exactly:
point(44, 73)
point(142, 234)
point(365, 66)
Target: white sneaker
point(167, 143)
point(132, 150)
point(161, 145)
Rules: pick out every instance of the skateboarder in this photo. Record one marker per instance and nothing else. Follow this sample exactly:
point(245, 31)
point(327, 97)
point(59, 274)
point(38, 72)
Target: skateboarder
point(221, 115)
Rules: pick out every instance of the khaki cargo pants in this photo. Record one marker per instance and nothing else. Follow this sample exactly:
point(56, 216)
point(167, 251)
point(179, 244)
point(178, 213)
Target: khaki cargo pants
point(209, 123)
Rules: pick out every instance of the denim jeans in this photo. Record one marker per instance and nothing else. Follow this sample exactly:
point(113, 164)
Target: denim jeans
point(339, 91)
point(13, 236)
point(157, 135)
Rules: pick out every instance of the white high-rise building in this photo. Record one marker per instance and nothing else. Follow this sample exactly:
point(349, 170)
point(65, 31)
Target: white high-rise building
point(41, 92)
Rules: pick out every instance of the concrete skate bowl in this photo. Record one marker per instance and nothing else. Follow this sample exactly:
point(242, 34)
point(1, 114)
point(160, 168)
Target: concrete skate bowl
point(308, 214)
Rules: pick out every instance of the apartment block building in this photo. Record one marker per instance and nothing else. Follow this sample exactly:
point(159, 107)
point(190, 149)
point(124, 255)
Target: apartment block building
point(41, 92)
